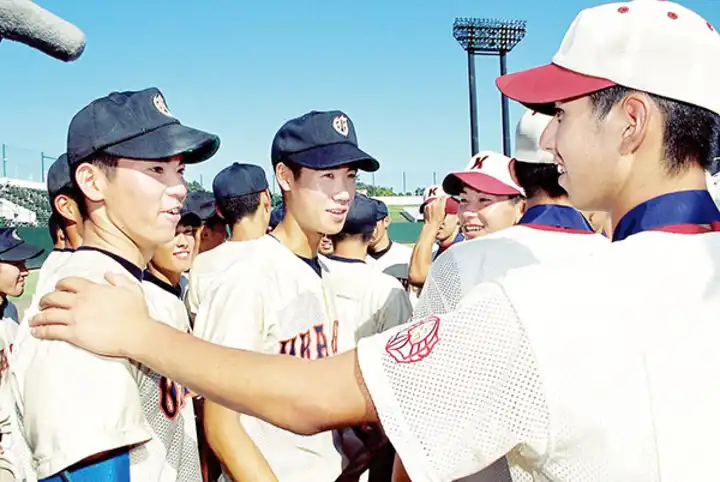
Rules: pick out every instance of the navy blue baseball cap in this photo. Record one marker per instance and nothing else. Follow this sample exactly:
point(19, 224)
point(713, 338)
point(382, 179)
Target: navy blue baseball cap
point(58, 177)
point(361, 217)
point(321, 140)
point(239, 180)
point(15, 249)
point(381, 211)
point(199, 203)
point(277, 215)
point(135, 125)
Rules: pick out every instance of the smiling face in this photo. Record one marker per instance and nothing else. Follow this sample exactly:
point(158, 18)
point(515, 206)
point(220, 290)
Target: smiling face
point(12, 277)
point(319, 199)
point(481, 213)
point(141, 199)
point(176, 256)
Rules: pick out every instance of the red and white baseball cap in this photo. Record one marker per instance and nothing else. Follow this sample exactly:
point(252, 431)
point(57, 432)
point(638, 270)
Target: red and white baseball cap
point(487, 172)
point(433, 192)
point(652, 46)
point(527, 138)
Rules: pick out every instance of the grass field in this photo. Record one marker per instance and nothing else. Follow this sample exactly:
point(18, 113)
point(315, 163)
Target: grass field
point(395, 216)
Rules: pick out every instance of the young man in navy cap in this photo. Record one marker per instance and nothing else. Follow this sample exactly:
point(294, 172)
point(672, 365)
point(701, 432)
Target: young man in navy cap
point(127, 155)
point(213, 229)
point(14, 252)
point(243, 201)
point(276, 297)
point(372, 302)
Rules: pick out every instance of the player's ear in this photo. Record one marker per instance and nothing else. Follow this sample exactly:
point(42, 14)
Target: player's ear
point(91, 181)
point(285, 177)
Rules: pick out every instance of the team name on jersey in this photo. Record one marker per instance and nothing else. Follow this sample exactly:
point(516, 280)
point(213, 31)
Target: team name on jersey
point(311, 344)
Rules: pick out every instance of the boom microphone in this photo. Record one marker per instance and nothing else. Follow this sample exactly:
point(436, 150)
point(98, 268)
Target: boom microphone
point(23, 21)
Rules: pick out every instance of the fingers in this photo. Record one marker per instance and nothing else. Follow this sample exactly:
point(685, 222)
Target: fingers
point(57, 299)
point(72, 284)
point(51, 316)
point(52, 332)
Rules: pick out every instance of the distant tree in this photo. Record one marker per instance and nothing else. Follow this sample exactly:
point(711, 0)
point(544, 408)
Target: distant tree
point(3, 223)
point(276, 199)
point(194, 186)
point(419, 191)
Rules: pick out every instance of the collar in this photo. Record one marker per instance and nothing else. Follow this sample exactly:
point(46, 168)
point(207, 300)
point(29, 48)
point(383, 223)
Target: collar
point(382, 252)
point(314, 264)
point(135, 271)
point(556, 217)
point(683, 212)
point(173, 290)
point(345, 260)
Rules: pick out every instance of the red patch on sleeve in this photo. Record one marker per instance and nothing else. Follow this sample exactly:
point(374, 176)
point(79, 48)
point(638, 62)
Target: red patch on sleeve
point(414, 342)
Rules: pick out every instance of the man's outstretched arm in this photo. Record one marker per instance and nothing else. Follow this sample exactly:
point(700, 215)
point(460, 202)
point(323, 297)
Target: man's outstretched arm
point(302, 396)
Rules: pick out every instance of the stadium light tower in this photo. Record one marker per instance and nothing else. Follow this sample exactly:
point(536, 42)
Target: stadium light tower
point(487, 36)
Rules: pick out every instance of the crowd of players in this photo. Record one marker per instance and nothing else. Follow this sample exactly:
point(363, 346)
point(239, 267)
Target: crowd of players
point(477, 353)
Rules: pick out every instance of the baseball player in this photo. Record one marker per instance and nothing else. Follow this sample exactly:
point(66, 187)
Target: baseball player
point(277, 297)
point(521, 367)
point(440, 231)
point(127, 153)
point(326, 246)
point(213, 230)
point(373, 302)
point(243, 201)
point(549, 230)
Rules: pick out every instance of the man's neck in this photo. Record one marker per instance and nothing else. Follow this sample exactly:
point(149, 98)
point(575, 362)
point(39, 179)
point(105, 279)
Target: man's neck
point(247, 229)
point(351, 249)
point(297, 240)
point(169, 277)
point(382, 244)
point(638, 192)
point(104, 235)
point(543, 199)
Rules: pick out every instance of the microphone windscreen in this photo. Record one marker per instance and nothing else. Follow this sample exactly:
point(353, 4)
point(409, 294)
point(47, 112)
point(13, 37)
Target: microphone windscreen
point(25, 22)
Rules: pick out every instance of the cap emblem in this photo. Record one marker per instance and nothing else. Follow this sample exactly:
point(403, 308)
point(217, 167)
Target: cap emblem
point(160, 105)
point(341, 125)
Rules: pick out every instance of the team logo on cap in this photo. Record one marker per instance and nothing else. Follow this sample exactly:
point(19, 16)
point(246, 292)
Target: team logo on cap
point(432, 191)
point(159, 103)
point(15, 235)
point(479, 163)
point(414, 342)
point(341, 125)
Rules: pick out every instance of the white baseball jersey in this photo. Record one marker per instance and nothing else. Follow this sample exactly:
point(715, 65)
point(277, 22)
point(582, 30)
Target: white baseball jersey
point(368, 299)
point(395, 261)
point(272, 301)
point(55, 258)
point(206, 269)
point(523, 367)
point(454, 273)
point(167, 405)
point(97, 402)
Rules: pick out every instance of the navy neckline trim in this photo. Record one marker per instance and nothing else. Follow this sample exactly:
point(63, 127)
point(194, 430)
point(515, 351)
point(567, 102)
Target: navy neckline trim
point(345, 260)
point(173, 290)
point(134, 270)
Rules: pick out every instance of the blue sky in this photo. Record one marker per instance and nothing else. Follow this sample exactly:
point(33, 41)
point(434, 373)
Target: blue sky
point(242, 68)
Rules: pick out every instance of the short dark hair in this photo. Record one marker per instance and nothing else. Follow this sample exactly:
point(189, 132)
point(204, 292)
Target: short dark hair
point(234, 209)
point(55, 222)
point(214, 221)
point(340, 237)
point(539, 179)
point(691, 134)
point(296, 169)
point(106, 163)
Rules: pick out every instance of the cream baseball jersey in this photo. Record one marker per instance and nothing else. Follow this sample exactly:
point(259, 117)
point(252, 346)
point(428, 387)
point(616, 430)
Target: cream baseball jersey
point(395, 261)
point(97, 401)
point(54, 259)
point(545, 234)
point(167, 405)
point(569, 393)
point(367, 299)
point(272, 301)
point(206, 269)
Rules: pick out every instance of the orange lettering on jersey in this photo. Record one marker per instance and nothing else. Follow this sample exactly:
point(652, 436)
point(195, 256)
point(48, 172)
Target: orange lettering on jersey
point(172, 398)
point(305, 345)
point(287, 347)
point(334, 343)
point(322, 344)
point(4, 365)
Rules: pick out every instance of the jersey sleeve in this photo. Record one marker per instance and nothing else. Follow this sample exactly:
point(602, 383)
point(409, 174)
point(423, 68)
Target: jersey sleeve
point(442, 289)
point(232, 312)
point(456, 392)
point(192, 299)
point(77, 404)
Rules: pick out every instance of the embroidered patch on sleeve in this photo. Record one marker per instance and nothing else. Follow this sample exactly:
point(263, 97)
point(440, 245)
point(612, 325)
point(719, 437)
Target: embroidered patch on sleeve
point(414, 342)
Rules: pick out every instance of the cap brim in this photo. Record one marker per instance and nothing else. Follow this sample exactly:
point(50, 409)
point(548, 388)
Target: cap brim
point(456, 182)
point(451, 205)
point(21, 252)
point(168, 141)
point(190, 219)
point(333, 156)
point(540, 87)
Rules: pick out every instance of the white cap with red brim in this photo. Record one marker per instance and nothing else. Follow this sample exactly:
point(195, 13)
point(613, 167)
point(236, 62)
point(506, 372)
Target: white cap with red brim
point(652, 46)
point(487, 172)
point(527, 138)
